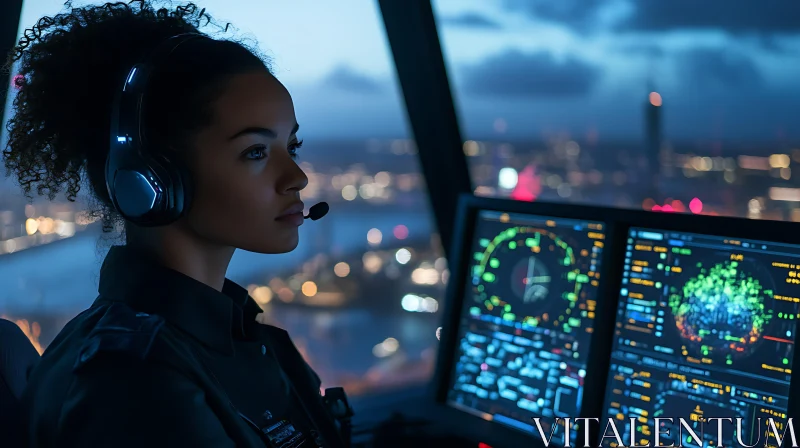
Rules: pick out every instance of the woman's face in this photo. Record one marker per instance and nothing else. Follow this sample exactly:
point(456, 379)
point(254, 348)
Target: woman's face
point(246, 182)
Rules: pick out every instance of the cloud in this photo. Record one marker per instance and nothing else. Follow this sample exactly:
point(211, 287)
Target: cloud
point(470, 20)
point(642, 49)
point(579, 14)
point(765, 16)
point(516, 74)
point(774, 45)
point(709, 68)
point(740, 16)
point(345, 79)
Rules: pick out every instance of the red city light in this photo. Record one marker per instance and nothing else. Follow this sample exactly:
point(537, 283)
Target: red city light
point(400, 232)
point(696, 205)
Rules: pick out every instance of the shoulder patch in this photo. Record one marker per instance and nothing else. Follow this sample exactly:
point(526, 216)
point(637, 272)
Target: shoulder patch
point(121, 330)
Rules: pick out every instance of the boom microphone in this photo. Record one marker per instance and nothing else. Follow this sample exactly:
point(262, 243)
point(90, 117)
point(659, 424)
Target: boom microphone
point(317, 211)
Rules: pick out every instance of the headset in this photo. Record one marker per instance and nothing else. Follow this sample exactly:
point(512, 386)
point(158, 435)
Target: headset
point(146, 186)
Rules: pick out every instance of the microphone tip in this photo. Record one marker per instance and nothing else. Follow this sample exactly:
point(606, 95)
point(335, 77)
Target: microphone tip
point(318, 210)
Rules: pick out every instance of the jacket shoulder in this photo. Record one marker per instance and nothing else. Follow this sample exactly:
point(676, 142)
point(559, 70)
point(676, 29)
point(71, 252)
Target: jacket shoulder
point(120, 331)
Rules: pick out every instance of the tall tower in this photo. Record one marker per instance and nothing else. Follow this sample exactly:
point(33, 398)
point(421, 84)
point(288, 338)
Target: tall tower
point(653, 140)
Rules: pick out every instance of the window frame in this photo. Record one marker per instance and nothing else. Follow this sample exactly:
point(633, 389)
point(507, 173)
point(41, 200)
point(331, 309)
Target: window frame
point(419, 62)
point(10, 15)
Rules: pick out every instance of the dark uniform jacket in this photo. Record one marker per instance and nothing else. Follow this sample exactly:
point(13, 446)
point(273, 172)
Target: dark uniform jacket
point(17, 358)
point(161, 359)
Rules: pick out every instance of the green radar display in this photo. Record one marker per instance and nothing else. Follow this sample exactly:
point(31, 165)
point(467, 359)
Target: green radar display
point(723, 309)
point(528, 274)
point(526, 318)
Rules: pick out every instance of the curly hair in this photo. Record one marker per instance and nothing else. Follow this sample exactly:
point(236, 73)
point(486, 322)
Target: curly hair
point(67, 71)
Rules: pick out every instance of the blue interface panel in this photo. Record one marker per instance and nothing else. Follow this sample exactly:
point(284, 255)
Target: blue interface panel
point(705, 328)
point(527, 320)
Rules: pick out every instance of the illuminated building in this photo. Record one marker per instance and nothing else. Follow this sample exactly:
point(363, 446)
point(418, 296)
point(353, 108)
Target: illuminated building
point(653, 141)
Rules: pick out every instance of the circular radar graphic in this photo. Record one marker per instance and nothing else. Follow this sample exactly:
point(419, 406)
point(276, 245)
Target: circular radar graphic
point(723, 311)
point(527, 275)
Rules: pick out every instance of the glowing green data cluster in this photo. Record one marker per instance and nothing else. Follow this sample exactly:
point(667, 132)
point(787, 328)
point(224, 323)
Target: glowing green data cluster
point(721, 309)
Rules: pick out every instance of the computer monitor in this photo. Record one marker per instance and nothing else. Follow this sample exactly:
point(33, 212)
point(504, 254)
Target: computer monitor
point(705, 328)
point(526, 319)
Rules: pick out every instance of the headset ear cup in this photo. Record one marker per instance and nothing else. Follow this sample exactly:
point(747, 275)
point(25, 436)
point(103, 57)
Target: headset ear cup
point(177, 185)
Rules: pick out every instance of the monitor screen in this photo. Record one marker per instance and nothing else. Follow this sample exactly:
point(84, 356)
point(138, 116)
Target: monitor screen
point(705, 329)
point(526, 319)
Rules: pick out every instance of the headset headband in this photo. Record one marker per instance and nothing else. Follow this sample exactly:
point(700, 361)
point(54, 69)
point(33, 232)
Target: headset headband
point(137, 83)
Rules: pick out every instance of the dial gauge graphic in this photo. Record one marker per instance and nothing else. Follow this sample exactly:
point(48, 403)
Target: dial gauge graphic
point(530, 279)
point(527, 274)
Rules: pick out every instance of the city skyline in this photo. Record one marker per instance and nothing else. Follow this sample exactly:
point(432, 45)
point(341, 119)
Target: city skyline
point(526, 68)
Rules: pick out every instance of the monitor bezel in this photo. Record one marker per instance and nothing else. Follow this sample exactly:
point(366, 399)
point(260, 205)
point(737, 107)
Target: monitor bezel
point(617, 223)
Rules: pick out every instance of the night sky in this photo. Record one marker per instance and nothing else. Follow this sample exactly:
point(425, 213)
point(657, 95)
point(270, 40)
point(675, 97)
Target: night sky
point(727, 69)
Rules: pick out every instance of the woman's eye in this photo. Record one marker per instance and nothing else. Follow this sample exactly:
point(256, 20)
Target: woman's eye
point(293, 149)
point(257, 153)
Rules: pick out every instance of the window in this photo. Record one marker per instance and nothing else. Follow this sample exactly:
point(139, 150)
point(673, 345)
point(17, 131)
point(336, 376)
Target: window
point(360, 293)
point(657, 105)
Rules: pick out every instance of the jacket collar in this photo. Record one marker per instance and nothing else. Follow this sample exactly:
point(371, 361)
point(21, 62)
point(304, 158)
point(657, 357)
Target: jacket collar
point(214, 318)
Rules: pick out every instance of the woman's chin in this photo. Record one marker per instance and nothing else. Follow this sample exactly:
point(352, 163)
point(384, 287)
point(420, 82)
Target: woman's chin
point(282, 246)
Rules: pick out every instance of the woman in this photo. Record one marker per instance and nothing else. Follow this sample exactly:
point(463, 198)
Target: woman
point(171, 353)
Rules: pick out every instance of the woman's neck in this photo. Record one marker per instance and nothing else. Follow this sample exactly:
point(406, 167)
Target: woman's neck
point(185, 252)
